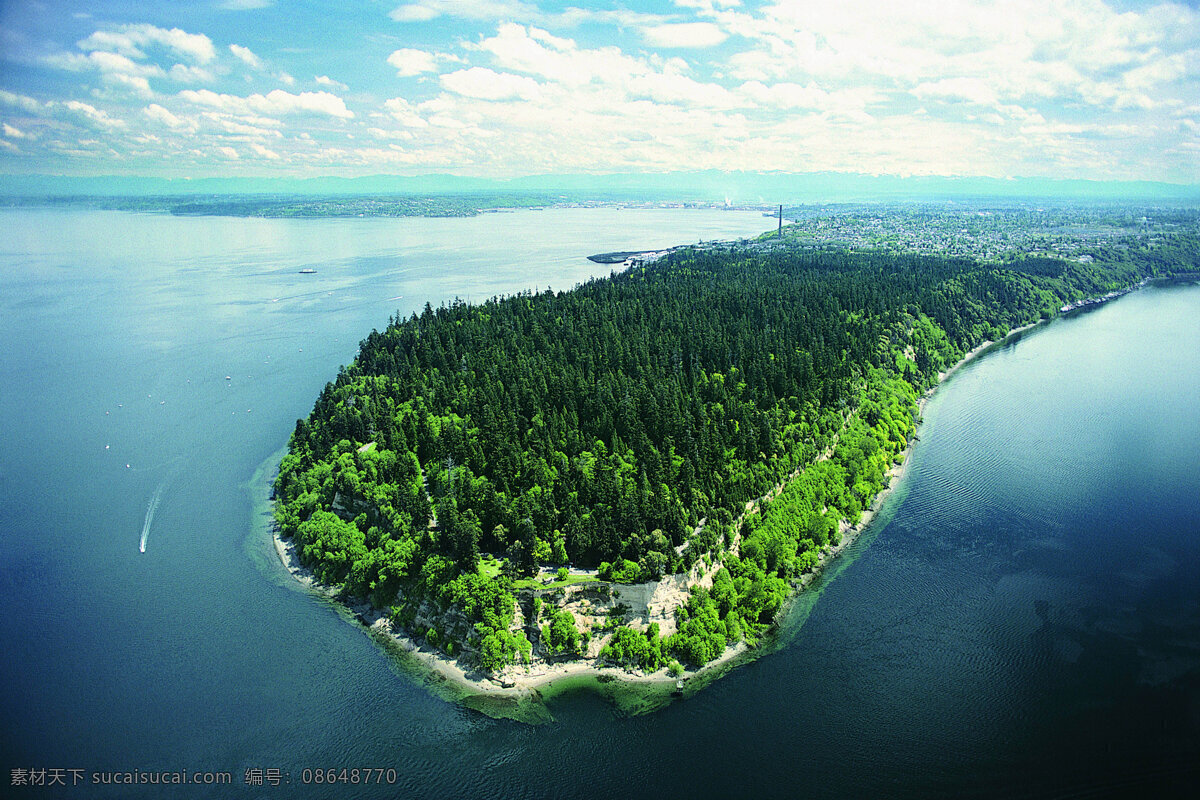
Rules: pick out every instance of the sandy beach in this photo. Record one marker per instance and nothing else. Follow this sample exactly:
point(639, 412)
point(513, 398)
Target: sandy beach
point(515, 681)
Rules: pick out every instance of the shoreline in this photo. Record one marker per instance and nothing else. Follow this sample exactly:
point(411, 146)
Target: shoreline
point(517, 683)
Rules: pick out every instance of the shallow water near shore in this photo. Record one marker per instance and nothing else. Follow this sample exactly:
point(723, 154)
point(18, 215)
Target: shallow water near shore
point(1023, 618)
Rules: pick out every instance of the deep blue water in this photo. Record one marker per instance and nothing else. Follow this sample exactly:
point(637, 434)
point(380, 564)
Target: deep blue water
point(1027, 623)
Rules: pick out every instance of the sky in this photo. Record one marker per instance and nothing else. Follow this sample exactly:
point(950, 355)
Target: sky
point(1067, 89)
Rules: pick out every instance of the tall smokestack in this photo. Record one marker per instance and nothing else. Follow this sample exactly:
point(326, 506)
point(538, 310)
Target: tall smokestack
point(781, 220)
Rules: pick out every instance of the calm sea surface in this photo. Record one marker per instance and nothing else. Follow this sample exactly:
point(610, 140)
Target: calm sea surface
point(1027, 623)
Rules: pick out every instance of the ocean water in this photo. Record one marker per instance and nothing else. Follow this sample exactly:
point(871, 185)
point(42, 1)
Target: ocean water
point(1027, 623)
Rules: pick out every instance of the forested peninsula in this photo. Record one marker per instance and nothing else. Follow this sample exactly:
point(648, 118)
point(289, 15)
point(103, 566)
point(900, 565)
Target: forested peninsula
point(636, 473)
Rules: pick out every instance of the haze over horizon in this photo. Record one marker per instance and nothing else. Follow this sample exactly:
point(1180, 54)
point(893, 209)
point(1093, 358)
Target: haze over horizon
point(1073, 91)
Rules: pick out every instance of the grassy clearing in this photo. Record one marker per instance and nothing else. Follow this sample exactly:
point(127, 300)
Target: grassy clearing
point(530, 583)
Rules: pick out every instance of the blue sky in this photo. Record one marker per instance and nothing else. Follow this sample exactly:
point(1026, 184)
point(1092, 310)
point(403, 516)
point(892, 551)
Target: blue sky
point(500, 88)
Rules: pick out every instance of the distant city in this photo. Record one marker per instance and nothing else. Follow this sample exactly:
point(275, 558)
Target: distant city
point(987, 232)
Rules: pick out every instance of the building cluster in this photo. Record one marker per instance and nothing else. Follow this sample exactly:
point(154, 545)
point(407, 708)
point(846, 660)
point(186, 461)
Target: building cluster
point(985, 233)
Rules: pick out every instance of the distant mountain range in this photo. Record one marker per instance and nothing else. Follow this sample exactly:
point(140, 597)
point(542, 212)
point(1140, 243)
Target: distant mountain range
point(706, 186)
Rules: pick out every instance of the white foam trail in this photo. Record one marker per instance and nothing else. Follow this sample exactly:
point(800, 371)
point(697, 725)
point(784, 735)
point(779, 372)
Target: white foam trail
point(150, 509)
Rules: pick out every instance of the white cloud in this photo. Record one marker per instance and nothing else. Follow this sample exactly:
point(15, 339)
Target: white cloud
point(413, 12)
point(72, 62)
point(14, 133)
point(1162, 70)
point(707, 5)
point(23, 102)
point(380, 133)
point(530, 13)
point(409, 62)
point(159, 114)
point(135, 83)
point(130, 40)
point(190, 74)
point(228, 152)
point(325, 80)
point(245, 5)
point(404, 112)
point(464, 9)
point(684, 34)
point(276, 101)
point(264, 152)
point(114, 68)
point(561, 63)
point(536, 52)
point(94, 115)
point(285, 79)
point(786, 95)
point(557, 60)
point(119, 57)
point(671, 87)
point(485, 84)
point(1000, 87)
point(245, 126)
point(972, 90)
point(114, 62)
point(246, 55)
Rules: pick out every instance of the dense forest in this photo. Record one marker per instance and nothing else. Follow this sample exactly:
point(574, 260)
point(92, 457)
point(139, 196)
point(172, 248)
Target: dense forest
point(624, 425)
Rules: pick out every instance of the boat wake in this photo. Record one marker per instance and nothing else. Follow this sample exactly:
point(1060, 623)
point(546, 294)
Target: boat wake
point(152, 507)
